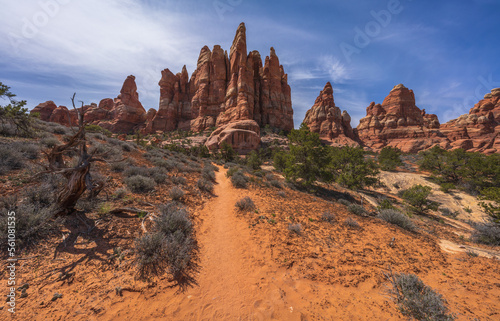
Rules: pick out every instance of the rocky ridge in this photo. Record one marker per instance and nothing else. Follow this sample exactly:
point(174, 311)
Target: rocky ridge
point(478, 131)
point(398, 122)
point(124, 114)
point(235, 94)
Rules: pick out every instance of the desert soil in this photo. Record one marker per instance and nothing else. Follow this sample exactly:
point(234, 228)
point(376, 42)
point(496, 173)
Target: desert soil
point(239, 280)
point(252, 268)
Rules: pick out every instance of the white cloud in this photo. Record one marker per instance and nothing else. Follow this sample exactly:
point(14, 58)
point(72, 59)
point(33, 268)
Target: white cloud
point(326, 67)
point(335, 69)
point(99, 42)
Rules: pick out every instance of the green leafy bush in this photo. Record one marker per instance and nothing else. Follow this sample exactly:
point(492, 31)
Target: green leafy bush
point(14, 118)
point(253, 160)
point(471, 172)
point(417, 197)
point(390, 158)
point(307, 159)
point(446, 187)
point(230, 172)
point(491, 208)
point(385, 204)
point(227, 152)
point(351, 169)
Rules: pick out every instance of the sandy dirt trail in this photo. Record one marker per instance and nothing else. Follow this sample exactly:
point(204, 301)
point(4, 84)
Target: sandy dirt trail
point(238, 280)
point(233, 268)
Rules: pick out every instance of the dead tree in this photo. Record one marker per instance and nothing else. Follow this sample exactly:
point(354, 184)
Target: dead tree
point(78, 178)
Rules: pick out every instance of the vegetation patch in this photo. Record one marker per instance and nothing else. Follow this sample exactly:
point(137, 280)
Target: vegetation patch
point(390, 158)
point(140, 184)
point(328, 216)
point(245, 204)
point(239, 179)
point(295, 228)
point(417, 197)
point(356, 209)
point(397, 218)
point(176, 193)
point(417, 300)
point(205, 185)
point(170, 247)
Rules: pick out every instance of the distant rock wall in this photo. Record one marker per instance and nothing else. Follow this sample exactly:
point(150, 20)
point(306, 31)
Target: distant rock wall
point(478, 131)
point(398, 122)
point(123, 115)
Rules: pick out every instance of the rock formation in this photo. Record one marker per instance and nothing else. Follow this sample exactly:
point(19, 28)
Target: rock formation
point(225, 89)
point(478, 131)
point(326, 119)
point(243, 136)
point(123, 115)
point(398, 122)
point(64, 116)
point(127, 113)
point(44, 110)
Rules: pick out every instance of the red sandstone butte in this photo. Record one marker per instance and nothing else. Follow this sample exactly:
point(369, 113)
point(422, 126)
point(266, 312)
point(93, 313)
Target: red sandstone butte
point(398, 122)
point(478, 131)
point(225, 89)
point(326, 119)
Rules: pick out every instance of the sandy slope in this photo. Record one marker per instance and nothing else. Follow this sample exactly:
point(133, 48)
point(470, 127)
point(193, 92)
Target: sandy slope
point(254, 269)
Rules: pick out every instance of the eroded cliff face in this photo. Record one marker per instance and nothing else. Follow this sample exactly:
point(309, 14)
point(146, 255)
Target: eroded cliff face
point(225, 89)
point(398, 122)
point(326, 119)
point(478, 131)
point(123, 115)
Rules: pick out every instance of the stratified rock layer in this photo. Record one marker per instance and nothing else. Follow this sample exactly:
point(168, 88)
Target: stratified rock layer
point(123, 115)
point(326, 119)
point(243, 136)
point(225, 89)
point(398, 122)
point(478, 131)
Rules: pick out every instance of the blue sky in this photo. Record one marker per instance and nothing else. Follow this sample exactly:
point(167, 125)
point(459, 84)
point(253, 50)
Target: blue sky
point(446, 51)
